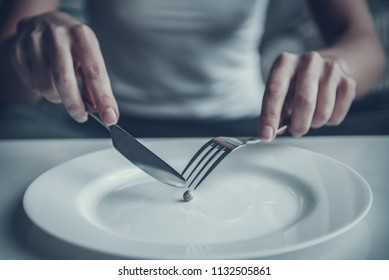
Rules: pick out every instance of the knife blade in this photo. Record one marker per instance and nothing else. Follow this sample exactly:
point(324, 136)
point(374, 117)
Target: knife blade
point(141, 156)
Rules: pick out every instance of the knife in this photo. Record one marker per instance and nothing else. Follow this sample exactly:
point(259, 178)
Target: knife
point(141, 156)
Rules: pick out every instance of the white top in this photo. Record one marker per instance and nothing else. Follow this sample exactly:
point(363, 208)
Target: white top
point(183, 59)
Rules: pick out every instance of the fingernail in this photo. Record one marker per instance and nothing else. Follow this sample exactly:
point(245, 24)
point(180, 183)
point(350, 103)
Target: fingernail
point(109, 116)
point(266, 133)
point(81, 118)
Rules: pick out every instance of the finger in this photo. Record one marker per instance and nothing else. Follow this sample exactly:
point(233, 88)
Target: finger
point(40, 68)
point(21, 63)
point(276, 90)
point(48, 90)
point(345, 95)
point(326, 94)
point(304, 101)
point(65, 81)
point(51, 94)
point(21, 53)
point(95, 76)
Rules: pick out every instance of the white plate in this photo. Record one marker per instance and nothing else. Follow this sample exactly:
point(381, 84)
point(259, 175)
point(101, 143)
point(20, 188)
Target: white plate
point(263, 200)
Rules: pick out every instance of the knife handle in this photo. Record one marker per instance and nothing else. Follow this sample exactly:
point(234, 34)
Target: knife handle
point(95, 117)
point(93, 114)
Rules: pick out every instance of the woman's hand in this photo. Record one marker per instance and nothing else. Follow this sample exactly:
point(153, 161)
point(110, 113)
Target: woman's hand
point(317, 88)
point(310, 89)
point(50, 51)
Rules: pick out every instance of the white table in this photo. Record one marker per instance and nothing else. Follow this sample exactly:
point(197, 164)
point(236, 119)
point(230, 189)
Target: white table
point(22, 161)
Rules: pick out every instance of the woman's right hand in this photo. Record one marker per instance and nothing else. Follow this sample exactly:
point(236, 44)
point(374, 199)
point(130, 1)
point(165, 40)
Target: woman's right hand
point(50, 51)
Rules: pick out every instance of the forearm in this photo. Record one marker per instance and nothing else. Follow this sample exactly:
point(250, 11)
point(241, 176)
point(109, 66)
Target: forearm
point(348, 29)
point(361, 56)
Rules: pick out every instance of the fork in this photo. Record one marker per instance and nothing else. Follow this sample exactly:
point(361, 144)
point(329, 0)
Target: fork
point(213, 152)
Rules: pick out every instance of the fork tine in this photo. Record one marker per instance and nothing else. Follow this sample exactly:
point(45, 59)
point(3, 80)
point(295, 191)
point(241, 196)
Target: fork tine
point(216, 163)
point(213, 147)
point(198, 153)
point(218, 150)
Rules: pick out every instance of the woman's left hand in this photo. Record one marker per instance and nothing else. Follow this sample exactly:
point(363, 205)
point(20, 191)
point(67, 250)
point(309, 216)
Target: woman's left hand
point(310, 89)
